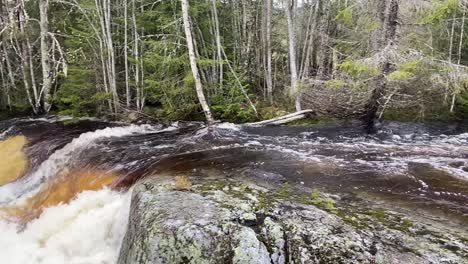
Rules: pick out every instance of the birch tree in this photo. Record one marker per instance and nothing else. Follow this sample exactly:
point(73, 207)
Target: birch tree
point(46, 71)
point(219, 55)
point(290, 7)
point(193, 61)
point(269, 68)
point(127, 81)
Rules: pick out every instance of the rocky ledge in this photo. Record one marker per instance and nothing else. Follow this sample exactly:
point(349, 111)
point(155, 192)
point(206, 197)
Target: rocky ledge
point(239, 221)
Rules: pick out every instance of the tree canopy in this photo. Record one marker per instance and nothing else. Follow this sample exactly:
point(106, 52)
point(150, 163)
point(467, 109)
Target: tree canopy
point(254, 59)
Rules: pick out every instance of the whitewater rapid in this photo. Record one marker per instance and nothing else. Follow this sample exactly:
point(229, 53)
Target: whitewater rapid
point(60, 160)
point(88, 230)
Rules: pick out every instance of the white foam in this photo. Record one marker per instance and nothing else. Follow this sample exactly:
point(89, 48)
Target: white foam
point(61, 159)
point(87, 230)
point(253, 143)
point(229, 126)
point(4, 133)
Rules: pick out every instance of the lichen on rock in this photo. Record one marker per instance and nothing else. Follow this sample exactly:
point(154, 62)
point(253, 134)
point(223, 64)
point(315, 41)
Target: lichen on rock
point(227, 221)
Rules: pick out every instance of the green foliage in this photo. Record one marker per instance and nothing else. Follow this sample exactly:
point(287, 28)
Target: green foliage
point(369, 24)
point(462, 105)
point(269, 112)
point(345, 17)
point(315, 195)
point(357, 70)
point(284, 192)
point(442, 10)
point(169, 87)
point(324, 203)
point(77, 96)
point(229, 103)
point(405, 71)
point(400, 76)
point(335, 84)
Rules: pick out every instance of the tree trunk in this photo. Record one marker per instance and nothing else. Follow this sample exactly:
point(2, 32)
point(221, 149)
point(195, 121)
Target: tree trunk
point(193, 61)
point(46, 73)
point(111, 54)
point(218, 43)
point(390, 21)
point(103, 8)
point(6, 81)
point(285, 119)
point(136, 56)
point(311, 42)
point(269, 69)
point(127, 85)
point(460, 46)
point(24, 55)
point(290, 6)
point(324, 50)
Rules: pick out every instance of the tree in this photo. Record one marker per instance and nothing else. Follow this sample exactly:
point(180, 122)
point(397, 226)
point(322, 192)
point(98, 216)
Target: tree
point(290, 7)
point(193, 61)
point(388, 17)
point(253, 59)
point(46, 71)
point(269, 69)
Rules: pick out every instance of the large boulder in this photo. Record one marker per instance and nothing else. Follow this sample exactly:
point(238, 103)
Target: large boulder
point(227, 221)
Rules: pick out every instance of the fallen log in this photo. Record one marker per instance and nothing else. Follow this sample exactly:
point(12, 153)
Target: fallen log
point(285, 119)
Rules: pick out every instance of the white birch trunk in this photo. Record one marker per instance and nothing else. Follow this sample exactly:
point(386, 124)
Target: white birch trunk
point(289, 6)
point(460, 46)
point(136, 56)
point(46, 73)
point(193, 61)
point(269, 70)
point(127, 85)
point(218, 43)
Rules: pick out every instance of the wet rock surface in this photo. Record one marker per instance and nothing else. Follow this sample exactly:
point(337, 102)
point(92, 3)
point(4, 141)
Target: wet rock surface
point(248, 220)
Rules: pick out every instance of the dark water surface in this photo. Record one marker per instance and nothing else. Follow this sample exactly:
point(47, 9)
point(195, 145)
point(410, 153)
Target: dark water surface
point(422, 169)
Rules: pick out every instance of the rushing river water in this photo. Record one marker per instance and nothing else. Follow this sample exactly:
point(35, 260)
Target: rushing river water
point(71, 203)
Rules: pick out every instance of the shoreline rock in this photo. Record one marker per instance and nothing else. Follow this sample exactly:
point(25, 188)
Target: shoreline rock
point(227, 221)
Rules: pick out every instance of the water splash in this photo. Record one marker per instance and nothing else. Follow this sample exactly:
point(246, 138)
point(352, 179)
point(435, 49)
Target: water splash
point(62, 159)
point(4, 134)
point(87, 230)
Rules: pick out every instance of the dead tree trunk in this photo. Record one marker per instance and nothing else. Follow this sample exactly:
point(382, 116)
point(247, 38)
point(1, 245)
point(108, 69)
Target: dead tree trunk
point(285, 119)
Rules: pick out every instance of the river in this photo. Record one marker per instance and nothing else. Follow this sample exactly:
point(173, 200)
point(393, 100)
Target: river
point(70, 203)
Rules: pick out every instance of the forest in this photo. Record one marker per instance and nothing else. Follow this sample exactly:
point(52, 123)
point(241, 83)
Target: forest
point(235, 60)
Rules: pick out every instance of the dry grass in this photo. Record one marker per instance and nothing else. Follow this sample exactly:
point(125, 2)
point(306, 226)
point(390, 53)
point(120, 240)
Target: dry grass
point(13, 161)
point(182, 183)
